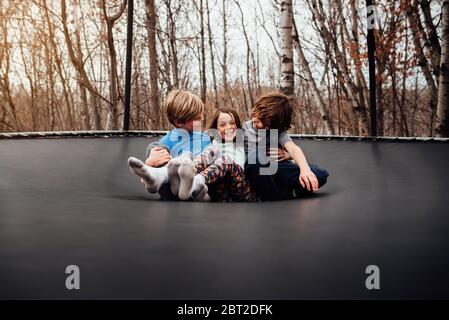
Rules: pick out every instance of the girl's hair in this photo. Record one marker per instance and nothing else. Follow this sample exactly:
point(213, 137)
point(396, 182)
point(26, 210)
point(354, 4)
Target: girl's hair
point(182, 105)
point(274, 110)
point(214, 121)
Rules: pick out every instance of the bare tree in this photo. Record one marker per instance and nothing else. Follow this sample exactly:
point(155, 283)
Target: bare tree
point(59, 67)
point(224, 61)
point(200, 9)
point(442, 124)
point(78, 63)
point(151, 31)
point(249, 54)
point(432, 41)
point(173, 50)
point(385, 36)
point(5, 64)
point(415, 25)
point(318, 98)
point(110, 20)
point(360, 82)
point(63, 72)
point(212, 59)
point(340, 62)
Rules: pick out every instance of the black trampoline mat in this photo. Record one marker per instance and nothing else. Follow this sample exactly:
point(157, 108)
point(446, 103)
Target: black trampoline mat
point(74, 201)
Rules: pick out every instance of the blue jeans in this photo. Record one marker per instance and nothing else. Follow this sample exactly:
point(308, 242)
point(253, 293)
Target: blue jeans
point(282, 185)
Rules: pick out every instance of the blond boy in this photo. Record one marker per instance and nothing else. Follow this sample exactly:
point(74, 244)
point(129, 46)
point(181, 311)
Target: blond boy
point(164, 158)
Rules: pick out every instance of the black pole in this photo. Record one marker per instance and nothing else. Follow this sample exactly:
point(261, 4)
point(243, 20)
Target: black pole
point(372, 66)
point(129, 53)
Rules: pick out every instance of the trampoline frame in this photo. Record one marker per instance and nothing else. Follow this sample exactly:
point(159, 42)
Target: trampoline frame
point(155, 133)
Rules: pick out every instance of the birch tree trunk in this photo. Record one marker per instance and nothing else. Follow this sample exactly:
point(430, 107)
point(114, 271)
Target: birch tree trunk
point(442, 124)
point(286, 52)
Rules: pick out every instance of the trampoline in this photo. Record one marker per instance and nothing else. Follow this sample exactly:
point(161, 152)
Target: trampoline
point(73, 201)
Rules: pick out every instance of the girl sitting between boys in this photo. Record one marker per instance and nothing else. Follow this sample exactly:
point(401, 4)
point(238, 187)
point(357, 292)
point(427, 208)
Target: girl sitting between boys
point(217, 168)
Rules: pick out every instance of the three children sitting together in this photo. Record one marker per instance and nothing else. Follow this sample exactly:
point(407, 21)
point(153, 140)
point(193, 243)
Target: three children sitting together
point(231, 162)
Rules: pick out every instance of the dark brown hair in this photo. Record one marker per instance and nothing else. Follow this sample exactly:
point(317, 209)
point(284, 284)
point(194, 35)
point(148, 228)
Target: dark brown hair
point(274, 110)
point(214, 120)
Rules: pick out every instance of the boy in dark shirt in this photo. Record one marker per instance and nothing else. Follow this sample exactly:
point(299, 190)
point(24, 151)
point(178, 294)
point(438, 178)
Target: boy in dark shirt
point(267, 130)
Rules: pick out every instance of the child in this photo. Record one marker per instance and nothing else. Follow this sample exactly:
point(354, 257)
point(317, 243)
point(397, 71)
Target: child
point(221, 167)
point(274, 111)
point(184, 111)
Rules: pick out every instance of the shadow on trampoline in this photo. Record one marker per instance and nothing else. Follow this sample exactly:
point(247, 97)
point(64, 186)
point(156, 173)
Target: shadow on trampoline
point(150, 197)
point(74, 201)
point(132, 198)
point(317, 195)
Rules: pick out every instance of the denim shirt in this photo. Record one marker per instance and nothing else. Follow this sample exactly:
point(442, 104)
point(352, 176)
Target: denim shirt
point(179, 141)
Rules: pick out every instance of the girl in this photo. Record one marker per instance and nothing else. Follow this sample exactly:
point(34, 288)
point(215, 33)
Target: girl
point(220, 167)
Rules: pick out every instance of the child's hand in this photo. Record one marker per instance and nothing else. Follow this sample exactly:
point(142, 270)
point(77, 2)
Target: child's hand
point(308, 180)
point(279, 154)
point(158, 157)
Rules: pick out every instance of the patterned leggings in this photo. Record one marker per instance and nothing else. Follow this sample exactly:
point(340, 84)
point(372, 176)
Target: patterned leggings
point(225, 178)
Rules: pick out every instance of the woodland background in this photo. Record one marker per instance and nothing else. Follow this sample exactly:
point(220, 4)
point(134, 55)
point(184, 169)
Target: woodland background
point(62, 62)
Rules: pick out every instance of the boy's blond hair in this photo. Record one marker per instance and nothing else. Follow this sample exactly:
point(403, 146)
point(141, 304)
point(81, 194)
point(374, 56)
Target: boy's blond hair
point(182, 105)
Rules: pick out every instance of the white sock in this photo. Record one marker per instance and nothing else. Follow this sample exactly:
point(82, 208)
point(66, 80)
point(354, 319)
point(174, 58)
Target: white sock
point(173, 175)
point(160, 175)
point(153, 178)
point(199, 189)
point(186, 173)
point(191, 185)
